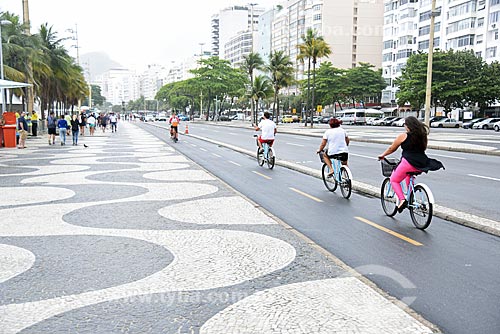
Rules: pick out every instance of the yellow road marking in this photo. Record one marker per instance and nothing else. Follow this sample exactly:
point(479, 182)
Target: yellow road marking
point(397, 235)
point(307, 195)
point(264, 176)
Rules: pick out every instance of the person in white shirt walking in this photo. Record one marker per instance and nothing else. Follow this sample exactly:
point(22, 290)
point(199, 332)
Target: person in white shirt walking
point(113, 120)
point(269, 130)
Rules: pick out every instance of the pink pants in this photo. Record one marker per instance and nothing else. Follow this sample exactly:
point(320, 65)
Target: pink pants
point(399, 174)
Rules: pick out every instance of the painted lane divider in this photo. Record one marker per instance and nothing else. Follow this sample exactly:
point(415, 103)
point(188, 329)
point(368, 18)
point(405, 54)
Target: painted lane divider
point(391, 232)
point(306, 195)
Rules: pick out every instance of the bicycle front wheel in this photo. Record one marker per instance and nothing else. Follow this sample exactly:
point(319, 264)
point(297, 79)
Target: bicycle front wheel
point(270, 158)
point(260, 157)
point(388, 198)
point(420, 208)
point(345, 182)
point(329, 181)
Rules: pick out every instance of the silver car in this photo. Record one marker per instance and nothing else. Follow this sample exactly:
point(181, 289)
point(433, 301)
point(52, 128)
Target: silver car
point(447, 123)
point(486, 124)
point(496, 126)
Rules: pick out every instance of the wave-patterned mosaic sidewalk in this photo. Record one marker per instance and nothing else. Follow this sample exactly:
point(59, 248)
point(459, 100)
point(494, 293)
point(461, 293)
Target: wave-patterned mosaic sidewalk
point(127, 235)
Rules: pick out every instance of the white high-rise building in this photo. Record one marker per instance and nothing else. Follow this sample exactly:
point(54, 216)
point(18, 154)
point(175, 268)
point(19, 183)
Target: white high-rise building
point(459, 25)
point(120, 85)
point(353, 30)
point(231, 21)
point(152, 80)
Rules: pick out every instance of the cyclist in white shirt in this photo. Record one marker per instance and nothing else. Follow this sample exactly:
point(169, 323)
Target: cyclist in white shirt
point(337, 140)
point(268, 128)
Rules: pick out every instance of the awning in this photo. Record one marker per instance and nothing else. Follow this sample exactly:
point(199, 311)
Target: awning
point(12, 84)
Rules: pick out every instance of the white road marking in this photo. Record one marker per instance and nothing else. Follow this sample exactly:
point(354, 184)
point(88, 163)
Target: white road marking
point(485, 177)
point(202, 149)
point(295, 144)
point(233, 134)
point(194, 145)
point(216, 155)
point(448, 156)
point(303, 162)
point(234, 163)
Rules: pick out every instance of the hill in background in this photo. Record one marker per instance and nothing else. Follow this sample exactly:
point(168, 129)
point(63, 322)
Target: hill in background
point(97, 63)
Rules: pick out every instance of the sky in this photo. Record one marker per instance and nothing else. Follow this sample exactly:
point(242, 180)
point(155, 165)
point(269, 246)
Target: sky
point(132, 33)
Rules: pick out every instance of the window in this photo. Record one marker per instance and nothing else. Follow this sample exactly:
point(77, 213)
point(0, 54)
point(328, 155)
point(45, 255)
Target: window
point(461, 41)
point(317, 17)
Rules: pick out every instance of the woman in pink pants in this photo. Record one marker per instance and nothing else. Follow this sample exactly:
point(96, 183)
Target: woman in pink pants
point(414, 143)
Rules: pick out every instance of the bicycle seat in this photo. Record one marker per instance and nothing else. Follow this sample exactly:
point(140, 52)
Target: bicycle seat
point(336, 157)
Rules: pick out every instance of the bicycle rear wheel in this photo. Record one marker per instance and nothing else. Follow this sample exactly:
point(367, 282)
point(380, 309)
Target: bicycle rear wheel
point(260, 157)
point(270, 158)
point(420, 208)
point(388, 198)
point(329, 181)
point(345, 182)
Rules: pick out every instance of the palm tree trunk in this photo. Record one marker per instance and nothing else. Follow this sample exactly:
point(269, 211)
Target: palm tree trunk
point(313, 92)
point(274, 104)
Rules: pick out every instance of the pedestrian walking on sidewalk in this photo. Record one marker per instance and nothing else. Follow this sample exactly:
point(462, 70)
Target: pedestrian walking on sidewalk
point(62, 124)
point(75, 129)
point(22, 126)
point(113, 120)
point(51, 128)
point(91, 121)
point(83, 123)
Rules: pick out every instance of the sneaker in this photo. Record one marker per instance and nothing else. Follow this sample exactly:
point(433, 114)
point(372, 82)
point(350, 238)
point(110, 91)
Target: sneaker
point(402, 206)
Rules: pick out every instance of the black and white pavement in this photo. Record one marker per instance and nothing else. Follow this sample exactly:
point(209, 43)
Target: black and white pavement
point(127, 235)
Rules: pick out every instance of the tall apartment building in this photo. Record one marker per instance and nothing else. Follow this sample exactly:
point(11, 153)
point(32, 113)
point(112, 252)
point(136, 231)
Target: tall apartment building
point(352, 28)
point(119, 84)
point(231, 21)
point(461, 25)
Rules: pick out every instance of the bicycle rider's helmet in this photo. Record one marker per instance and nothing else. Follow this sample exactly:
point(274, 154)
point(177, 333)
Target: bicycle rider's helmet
point(334, 122)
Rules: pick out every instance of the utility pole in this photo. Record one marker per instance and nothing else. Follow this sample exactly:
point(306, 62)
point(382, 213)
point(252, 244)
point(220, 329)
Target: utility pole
point(29, 90)
point(428, 87)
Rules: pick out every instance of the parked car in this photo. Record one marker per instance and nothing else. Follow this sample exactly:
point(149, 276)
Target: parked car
point(161, 119)
point(370, 120)
point(486, 124)
point(149, 118)
point(287, 119)
point(183, 118)
point(399, 122)
point(225, 118)
point(496, 126)
point(325, 119)
point(469, 124)
point(384, 120)
point(390, 122)
point(447, 123)
point(436, 118)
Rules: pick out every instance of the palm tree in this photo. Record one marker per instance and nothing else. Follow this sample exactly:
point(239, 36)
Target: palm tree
point(313, 48)
point(281, 70)
point(251, 62)
point(262, 88)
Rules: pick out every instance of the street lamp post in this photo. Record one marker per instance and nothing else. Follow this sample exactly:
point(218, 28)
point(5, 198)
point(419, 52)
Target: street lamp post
point(428, 86)
point(4, 100)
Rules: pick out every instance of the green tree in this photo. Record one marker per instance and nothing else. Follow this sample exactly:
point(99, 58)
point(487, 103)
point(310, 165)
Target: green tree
point(252, 62)
point(262, 89)
point(282, 75)
point(331, 85)
point(220, 81)
point(363, 81)
point(458, 78)
point(313, 48)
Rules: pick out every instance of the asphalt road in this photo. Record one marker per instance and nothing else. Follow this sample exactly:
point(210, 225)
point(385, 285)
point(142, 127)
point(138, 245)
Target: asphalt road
point(468, 184)
point(448, 274)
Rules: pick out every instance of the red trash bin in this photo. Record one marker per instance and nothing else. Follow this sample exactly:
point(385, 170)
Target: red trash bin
point(9, 135)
